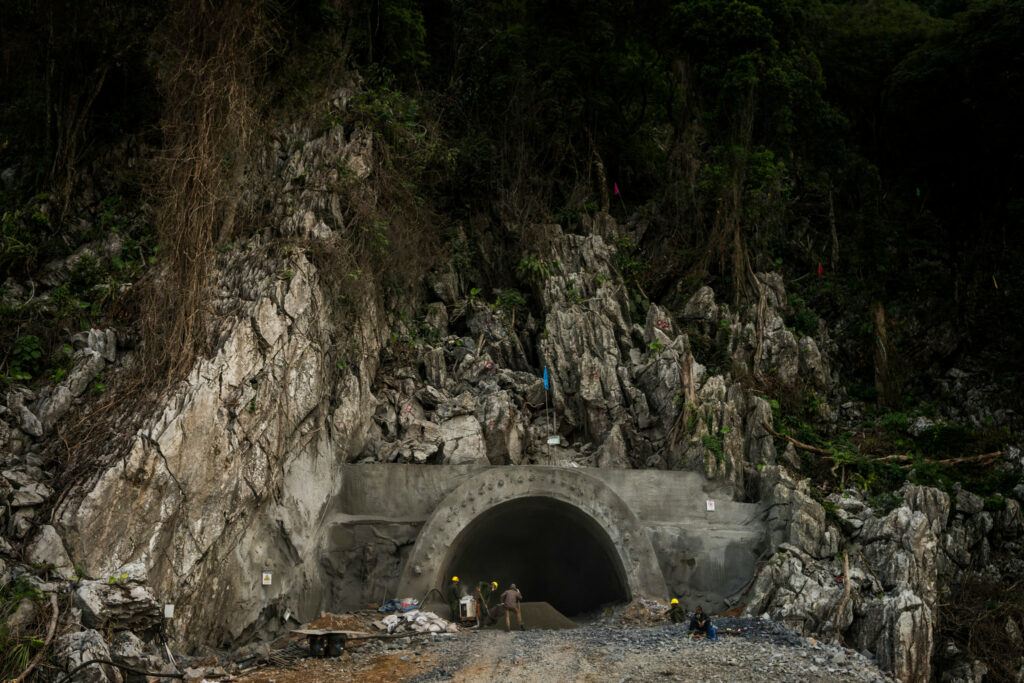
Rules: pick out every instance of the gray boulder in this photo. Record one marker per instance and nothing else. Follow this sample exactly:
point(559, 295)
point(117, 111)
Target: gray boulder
point(127, 649)
point(74, 649)
point(48, 548)
point(897, 629)
point(106, 604)
point(502, 428)
point(463, 441)
point(701, 306)
point(967, 502)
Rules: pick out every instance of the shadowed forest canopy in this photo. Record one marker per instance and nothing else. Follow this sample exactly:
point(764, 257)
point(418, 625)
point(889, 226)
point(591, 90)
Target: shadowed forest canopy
point(879, 139)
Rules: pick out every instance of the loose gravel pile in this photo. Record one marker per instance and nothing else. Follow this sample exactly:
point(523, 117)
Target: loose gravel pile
point(747, 649)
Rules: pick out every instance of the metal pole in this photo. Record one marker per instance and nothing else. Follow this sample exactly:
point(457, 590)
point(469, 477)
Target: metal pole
point(548, 414)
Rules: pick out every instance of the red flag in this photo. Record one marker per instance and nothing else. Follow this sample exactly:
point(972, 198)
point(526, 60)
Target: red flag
point(820, 270)
point(616, 186)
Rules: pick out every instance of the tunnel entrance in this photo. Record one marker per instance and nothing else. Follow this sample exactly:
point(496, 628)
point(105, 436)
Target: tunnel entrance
point(551, 550)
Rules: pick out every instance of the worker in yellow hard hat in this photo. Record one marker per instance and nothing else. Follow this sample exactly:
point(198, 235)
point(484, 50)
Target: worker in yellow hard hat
point(676, 612)
point(455, 591)
point(484, 591)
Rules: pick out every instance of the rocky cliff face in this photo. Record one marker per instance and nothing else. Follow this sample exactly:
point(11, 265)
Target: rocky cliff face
point(238, 469)
point(898, 567)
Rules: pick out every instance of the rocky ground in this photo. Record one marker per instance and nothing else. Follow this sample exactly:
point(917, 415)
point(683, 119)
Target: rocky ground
point(747, 650)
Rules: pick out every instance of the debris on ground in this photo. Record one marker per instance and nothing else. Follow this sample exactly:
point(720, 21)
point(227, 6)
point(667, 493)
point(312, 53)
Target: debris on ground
point(353, 621)
point(749, 649)
point(416, 621)
point(644, 613)
point(400, 605)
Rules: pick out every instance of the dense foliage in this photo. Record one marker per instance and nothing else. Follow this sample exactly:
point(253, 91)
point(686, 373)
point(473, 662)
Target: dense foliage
point(877, 139)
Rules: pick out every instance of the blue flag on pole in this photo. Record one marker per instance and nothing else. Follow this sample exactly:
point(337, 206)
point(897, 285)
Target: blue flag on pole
point(546, 385)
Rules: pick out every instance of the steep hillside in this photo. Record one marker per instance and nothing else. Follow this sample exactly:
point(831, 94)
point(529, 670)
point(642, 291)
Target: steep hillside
point(246, 246)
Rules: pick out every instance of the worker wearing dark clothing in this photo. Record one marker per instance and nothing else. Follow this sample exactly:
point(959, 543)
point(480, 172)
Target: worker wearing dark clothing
point(510, 599)
point(676, 612)
point(700, 621)
point(484, 591)
point(454, 593)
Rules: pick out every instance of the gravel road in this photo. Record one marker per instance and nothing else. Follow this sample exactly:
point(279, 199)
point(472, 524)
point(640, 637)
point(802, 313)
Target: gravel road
point(747, 650)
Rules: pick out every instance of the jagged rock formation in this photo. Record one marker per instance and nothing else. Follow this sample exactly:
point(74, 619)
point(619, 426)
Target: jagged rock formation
point(238, 469)
point(898, 564)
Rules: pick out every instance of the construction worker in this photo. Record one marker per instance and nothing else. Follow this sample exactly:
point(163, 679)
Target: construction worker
point(484, 590)
point(700, 622)
point(454, 593)
point(676, 612)
point(511, 599)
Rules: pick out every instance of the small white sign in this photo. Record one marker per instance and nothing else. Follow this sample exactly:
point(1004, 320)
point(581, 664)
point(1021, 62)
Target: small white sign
point(711, 506)
point(168, 611)
point(554, 440)
point(268, 578)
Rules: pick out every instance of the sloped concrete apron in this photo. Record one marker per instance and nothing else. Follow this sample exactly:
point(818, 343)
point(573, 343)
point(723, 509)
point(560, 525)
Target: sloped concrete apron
point(495, 486)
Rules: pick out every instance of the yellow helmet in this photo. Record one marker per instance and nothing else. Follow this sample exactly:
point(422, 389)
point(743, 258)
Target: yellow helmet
point(455, 578)
point(675, 601)
point(494, 583)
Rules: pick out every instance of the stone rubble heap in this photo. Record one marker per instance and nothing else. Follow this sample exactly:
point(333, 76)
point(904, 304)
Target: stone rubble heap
point(416, 621)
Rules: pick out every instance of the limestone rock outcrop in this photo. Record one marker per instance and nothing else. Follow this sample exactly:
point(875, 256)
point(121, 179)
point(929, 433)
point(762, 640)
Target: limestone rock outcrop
point(232, 476)
point(898, 563)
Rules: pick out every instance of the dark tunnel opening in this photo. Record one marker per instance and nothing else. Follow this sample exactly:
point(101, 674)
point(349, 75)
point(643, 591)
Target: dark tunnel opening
point(551, 550)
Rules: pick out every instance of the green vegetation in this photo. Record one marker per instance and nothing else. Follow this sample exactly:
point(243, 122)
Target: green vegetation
point(16, 648)
point(715, 444)
point(534, 270)
point(881, 454)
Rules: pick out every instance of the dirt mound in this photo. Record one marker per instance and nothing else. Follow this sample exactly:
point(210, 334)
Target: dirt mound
point(543, 615)
point(536, 615)
point(354, 621)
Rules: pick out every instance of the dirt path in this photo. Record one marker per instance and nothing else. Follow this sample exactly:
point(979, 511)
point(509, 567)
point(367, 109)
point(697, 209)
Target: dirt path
point(588, 654)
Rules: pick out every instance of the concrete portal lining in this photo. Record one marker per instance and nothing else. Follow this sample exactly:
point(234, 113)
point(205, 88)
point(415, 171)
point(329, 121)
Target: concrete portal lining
point(491, 487)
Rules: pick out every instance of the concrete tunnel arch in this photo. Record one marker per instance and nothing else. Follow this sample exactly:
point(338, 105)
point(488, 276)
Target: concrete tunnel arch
point(607, 543)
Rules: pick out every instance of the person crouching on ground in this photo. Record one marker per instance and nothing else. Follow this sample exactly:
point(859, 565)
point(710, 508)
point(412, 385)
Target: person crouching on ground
point(700, 622)
point(511, 599)
point(676, 612)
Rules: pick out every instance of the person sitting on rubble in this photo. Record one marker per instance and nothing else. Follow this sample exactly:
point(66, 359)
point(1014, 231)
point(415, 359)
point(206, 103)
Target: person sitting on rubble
point(700, 622)
point(511, 599)
point(676, 612)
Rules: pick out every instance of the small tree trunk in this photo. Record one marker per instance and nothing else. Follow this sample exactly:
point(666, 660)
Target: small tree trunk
point(602, 177)
point(835, 234)
point(882, 378)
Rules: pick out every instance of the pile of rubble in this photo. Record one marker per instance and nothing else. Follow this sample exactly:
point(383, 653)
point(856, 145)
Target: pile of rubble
point(416, 621)
point(644, 613)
